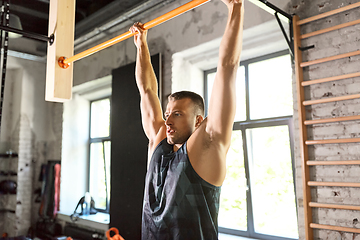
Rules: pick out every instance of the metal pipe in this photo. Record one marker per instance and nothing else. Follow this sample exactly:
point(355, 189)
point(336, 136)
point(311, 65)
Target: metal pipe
point(167, 16)
point(29, 34)
point(276, 9)
point(288, 41)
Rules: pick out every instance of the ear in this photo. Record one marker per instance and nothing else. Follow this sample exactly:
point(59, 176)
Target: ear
point(199, 119)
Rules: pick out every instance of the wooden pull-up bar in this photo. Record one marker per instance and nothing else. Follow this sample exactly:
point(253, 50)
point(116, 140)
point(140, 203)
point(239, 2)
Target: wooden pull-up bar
point(64, 62)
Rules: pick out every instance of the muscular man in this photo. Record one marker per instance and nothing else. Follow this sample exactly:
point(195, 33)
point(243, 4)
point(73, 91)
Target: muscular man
point(187, 152)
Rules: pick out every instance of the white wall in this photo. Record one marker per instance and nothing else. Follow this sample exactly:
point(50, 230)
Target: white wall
point(31, 133)
point(75, 139)
point(326, 45)
point(201, 25)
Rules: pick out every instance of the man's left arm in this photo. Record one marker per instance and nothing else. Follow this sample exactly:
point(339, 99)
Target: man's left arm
point(223, 100)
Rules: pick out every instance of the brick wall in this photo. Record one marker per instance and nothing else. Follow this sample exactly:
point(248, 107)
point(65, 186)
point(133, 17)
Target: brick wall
point(329, 44)
point(32, 128)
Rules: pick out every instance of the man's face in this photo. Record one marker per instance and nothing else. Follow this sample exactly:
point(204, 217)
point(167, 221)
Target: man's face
point(180, 121)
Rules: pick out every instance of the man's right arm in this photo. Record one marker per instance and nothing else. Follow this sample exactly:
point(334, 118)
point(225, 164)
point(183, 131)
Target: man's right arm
point(146, 81)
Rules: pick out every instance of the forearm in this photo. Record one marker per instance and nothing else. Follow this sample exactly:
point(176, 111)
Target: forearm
point(144, 72)
point(231, 43)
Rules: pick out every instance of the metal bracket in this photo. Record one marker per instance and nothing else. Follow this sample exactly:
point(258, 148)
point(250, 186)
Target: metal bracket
point(306, 48)
point(289, 41)
point(285, 15)
point(276, 9)
point(51, 39)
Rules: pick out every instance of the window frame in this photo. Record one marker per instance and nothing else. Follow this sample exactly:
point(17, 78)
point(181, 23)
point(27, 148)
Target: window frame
point(98, 140)
point(251, 124)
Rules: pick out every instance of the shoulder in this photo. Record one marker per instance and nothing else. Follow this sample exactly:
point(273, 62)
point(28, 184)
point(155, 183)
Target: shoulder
point(205, 137)
point(160, 136)
point(207, 155)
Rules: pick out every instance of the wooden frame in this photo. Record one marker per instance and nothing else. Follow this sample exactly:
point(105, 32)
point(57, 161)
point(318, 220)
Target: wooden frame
point(333, 184)
point(334, 228)
point(327, 100)
point(329, 163)
point(328, 59)
point(337, 27)
point(331, 120)
point(334, 206)
point(302, 128)
point(59, 81)
point(330, 79)
point(332, 141)
point(327, 14)
point(304, 142)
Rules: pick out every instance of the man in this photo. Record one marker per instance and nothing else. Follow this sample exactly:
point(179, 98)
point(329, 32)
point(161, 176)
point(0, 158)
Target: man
point(187, 152)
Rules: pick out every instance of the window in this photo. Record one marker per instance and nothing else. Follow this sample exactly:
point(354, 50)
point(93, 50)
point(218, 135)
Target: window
point(258, 195)
point(100, 150)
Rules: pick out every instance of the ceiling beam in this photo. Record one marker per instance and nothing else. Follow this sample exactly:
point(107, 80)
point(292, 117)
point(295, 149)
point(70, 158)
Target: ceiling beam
point(44, 1)
point(28, 11)
point(96, 23)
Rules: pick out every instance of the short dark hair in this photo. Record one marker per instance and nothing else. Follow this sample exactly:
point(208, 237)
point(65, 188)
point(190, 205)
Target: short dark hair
point(197, 100)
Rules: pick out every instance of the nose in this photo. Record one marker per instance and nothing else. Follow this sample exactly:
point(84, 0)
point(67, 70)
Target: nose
point(168, 121)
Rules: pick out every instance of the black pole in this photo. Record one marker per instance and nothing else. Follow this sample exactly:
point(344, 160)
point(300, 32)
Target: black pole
point(276, 9)
point(29, 34)
point(288, 41)
point(5, 16)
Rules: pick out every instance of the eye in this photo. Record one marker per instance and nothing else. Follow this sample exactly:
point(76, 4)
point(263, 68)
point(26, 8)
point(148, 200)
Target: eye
point(166, 116)
point(177, 114)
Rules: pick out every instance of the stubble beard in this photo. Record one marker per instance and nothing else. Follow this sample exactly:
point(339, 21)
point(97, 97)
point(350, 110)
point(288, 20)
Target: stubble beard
point(177, 139)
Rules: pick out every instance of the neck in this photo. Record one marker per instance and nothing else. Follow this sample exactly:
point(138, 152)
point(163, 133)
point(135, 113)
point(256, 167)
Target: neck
point(177, 147)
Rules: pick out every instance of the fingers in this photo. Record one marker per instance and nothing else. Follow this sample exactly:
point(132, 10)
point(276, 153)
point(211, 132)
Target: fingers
point(137, 27)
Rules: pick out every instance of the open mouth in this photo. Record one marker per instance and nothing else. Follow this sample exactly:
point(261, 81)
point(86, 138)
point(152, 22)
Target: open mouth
point(170, 131)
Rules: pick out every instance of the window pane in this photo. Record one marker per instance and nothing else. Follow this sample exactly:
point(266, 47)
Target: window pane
point(97, 175)
point(100, 118)
point(272, 187)
point(270, 88)
point(240, 93)
point(107, 146)
point(233, 210)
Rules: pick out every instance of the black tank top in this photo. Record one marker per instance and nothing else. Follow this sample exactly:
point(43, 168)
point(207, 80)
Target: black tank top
point(178, 203)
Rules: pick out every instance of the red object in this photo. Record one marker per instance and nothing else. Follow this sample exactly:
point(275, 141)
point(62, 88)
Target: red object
point(57, 169)
point(116, 236)
point(62, 64)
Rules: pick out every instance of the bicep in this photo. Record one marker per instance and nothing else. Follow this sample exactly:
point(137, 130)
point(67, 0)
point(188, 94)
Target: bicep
point(151, 114)
point(222, 104)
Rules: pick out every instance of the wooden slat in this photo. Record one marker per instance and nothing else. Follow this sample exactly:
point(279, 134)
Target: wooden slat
point(326, 100)
point(302, 129)
point(59, 81)
point(327, 14)
point(325, 30)
point(331, 141)
point(333, 184)
point(335, 206)
point(324, 163)
point(330, 120)
point(334, 228)
point(330, 79)
point(327, 59)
